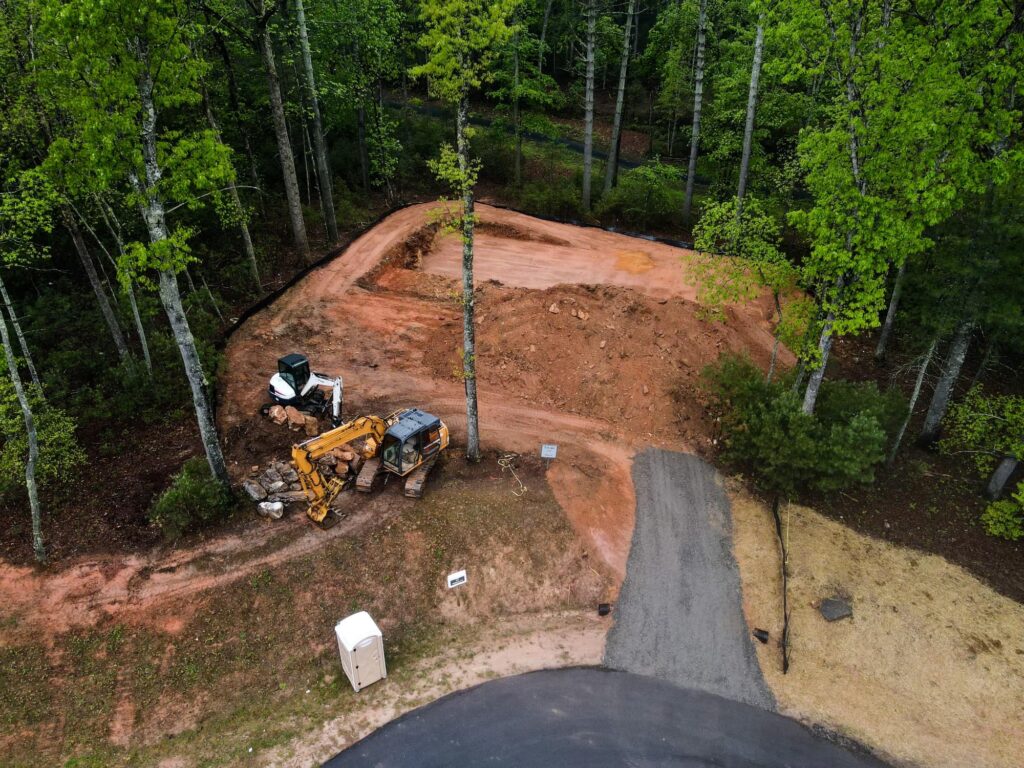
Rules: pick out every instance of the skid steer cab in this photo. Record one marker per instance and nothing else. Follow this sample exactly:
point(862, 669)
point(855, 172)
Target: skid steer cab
point(294, 384)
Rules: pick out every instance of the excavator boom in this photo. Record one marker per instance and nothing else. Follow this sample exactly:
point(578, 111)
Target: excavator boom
point(319, 491)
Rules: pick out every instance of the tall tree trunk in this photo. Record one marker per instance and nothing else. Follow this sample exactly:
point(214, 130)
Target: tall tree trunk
point(243, 225)
point(620, 99)
point(101, 296)
point(588, 104)
point(468, 298)
point(698, 96)
point(284, 145)
point(30, 364)
point(921, 372)
point(944, 387)
point(890, 314)
point(236, 107)
point(986, 359)
point(814, 382)
point(33, 446)
point(1003, 472)
point(543, 34)
point(748, 129)
point(775, 337)
point(364, 164)
point(515, 113)
point(115, 230)
point(156, 225)
point(319, 144)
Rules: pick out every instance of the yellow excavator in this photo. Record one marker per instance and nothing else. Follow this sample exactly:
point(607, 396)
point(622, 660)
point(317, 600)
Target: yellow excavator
point(406, 443)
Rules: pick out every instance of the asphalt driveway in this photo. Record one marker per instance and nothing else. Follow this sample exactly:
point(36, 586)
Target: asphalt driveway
point(680, 616)
point(591, 718)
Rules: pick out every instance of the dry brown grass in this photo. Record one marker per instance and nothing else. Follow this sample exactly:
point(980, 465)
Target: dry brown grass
point(930, 669)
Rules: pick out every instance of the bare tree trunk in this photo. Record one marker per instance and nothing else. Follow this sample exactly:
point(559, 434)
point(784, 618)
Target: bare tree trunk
point(243, 225)
point(284, 145)
point(698, 96)
point(236, 107)
point(776, 341)
point(986, 359)
point(890, 314)
point(364, 165)
point(620, 98)
point(588, 104)
point(748, 130)
point(944, 387)
point(156, 225)
point(515, 113)
point(543, 34)
point(21, 336)
point(922, 371)
point(101, 296)
point(33, 447)
point(814, 383)
point(319, 144)
point(115, 230)
point(468, 294)
point(1003, 472)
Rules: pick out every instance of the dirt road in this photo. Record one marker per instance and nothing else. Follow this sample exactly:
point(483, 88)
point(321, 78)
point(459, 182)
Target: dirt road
point(680, 614)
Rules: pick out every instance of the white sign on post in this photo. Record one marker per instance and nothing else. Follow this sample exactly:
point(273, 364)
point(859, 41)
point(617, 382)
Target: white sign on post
point(548, 451)
point(456, 579)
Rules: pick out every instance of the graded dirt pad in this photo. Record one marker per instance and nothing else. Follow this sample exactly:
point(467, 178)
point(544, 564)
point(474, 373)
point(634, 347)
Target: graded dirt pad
point(587, 339)
point(928, 671)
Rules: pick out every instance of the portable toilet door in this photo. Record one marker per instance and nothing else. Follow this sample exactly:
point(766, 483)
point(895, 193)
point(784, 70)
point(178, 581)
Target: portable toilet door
point(361, 646)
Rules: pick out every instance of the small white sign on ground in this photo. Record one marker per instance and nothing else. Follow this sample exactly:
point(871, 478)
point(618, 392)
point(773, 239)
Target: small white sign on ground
point(456, 579)
point(548, 451)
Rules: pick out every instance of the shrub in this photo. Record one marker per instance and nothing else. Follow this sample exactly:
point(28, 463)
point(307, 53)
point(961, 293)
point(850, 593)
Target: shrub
point(1005, 518)
point(788, 451)
point(59, 452)
point(559, 198)
point(650, 195)
point(193, 499)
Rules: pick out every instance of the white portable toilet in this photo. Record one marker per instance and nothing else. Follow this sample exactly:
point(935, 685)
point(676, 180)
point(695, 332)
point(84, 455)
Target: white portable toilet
point(362, 649)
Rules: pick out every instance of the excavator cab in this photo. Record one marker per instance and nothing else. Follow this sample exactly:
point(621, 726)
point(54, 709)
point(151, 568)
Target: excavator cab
point(415, 438)
point(294, 369)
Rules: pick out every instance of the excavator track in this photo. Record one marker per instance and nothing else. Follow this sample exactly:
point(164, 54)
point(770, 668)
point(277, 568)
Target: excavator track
point(368, 475)
point(415, 481)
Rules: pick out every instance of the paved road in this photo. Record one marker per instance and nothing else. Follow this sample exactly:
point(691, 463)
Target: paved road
point(679, 616)
point(591, 718)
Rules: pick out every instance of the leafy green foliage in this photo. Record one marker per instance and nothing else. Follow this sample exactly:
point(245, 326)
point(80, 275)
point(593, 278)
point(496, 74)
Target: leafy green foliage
point(195, 498)
point(986, 426)
point(60, 455)
point(788, 451)
point(752, 240)
point(648, 196)
point(1005, 519)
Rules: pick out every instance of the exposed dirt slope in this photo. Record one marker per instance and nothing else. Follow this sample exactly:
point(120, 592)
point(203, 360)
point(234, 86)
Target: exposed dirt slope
point(598, 369)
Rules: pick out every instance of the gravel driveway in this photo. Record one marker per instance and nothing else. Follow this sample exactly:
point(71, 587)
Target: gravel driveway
point(679, 616)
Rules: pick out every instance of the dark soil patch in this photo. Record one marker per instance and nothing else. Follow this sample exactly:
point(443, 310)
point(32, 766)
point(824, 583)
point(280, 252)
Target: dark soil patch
point(926, 500)
point(104, 510)
point(509, 232)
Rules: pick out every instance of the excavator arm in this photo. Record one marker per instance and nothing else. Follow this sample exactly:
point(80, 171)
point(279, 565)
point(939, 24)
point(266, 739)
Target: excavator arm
point(321, 492)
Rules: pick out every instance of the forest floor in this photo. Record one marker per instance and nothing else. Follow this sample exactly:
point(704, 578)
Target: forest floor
point(218, 650)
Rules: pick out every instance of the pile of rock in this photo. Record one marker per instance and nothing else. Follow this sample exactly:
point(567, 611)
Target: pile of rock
point(274, 487)
point(341, 461)
point(295, 419)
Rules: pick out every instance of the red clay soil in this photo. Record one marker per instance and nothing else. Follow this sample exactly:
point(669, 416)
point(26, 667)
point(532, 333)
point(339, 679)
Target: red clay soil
point(385, 316)
point(613, 370)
